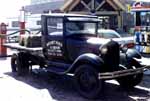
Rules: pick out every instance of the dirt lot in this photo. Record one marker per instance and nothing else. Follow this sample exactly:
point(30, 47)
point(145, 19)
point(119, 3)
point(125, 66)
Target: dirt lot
point(45, 87)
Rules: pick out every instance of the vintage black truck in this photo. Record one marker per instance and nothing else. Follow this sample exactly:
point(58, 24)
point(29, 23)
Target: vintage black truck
point(69, 44)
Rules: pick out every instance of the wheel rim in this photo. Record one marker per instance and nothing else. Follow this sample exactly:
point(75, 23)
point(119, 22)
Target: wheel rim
point(87, 81)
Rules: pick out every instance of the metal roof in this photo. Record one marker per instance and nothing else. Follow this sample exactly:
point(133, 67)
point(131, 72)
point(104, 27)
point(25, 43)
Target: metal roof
point(70, 4)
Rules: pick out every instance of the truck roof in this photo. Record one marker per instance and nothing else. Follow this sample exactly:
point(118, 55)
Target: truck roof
point(73, 17)
point(68, 15)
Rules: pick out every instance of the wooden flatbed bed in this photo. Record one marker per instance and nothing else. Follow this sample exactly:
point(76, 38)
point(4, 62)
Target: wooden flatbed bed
point(18, 47)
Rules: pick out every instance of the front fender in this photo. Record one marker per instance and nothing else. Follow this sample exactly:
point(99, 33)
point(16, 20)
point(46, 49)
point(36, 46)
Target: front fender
point(128, 57)
point(132, 53)
point(88, 58)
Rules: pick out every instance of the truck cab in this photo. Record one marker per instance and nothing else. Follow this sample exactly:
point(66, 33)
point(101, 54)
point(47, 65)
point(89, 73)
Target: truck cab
point(65, 36)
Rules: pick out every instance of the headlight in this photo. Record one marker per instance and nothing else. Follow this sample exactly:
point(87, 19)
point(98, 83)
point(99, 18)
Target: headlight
point(103, 50)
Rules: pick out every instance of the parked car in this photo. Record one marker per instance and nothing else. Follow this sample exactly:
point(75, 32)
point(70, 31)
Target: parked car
point(108, 33)
point(112, 34)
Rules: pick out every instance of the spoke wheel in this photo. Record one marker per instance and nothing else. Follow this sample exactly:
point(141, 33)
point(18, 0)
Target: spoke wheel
point(87, 82)
point(19, 64)
point(14, 63)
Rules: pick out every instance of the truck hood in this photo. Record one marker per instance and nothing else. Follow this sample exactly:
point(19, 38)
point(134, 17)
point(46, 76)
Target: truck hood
point(99, 41)
point(124, 40)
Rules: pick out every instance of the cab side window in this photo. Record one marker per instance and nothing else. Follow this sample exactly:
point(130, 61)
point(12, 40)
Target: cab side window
point(55, 26)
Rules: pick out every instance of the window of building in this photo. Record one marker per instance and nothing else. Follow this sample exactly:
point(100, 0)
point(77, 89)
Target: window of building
point(38, 23)
point(15, 23)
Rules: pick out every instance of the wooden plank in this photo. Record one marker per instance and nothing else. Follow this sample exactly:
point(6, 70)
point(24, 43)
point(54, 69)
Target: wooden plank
point(106, 13)
point(81, 12)
point(89, 4)
point(69, 5)
point(93, 4)
point(112, 4)
point(19, 47)
point(85, 5)
point(66, 5)
point(98, 13)
point(74, 4)
point(101, 4)
point(120, 5)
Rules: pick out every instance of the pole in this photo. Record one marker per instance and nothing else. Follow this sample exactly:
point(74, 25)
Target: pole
point(3, 31)
point(22, 21)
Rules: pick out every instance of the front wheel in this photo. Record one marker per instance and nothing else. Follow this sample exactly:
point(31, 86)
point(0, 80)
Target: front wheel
point(130, 81)
point(87, 82)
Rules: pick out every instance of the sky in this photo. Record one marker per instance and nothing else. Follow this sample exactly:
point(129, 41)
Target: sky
point(10, 8)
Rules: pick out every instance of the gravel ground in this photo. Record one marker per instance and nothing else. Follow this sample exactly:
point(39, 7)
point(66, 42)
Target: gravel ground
point(46, 87)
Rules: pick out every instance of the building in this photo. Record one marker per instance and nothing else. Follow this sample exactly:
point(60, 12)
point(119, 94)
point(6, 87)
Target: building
point(109, 11)
point(33, 22)
point(34, 2)
point(44, 6)
point(112, 13)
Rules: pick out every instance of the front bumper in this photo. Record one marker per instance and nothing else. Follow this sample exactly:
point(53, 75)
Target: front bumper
point(112, 75)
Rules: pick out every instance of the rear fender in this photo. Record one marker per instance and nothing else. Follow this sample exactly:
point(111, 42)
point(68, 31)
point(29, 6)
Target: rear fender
point(88, 58)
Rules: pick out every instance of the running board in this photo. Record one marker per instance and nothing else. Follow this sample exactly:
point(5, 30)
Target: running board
point(58, 64)
point(57, 67)
point(56, 70)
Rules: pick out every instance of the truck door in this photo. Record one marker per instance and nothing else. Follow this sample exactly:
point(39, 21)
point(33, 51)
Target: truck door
point(77, 33)
point(54, 38)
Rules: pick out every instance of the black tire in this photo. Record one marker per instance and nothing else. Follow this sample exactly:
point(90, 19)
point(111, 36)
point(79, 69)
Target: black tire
point(23, 63)
point(19, 64)
point(86, 81)
point(128, 82)
point(15, 66)
point(14, 63)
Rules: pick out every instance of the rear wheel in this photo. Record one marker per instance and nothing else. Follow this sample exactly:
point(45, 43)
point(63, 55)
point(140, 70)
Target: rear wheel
point(20, 64)
point(87, 82)
point(14, 63)
point(130, 81)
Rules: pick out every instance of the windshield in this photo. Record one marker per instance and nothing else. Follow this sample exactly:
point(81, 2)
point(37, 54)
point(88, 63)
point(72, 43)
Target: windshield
point(78, 27)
